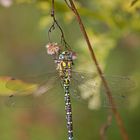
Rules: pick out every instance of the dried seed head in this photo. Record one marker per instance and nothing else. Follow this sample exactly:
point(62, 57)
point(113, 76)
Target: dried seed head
point(52, 48)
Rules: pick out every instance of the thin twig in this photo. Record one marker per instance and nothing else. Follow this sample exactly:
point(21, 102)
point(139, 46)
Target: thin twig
point(55, 22)
point(133, 2)
point(105, 126)
point(107, 89)
point(68, 4)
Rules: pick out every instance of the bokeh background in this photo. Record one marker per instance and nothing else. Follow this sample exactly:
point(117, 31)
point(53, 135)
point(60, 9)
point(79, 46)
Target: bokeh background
point(113, 28)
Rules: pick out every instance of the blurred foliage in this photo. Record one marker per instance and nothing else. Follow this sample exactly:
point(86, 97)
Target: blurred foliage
point(134, 2)
point(16, 85)
point(114, 30)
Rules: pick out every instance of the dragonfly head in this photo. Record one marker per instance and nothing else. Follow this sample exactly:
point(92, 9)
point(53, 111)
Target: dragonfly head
point(65, 56)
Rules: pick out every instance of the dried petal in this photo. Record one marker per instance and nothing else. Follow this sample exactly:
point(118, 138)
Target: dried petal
point(52, 48)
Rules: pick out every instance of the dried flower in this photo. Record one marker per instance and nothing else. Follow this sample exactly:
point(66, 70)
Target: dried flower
point(52, 48)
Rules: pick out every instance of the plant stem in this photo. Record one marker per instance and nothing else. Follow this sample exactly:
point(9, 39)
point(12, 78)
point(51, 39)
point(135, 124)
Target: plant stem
point(55, 22)
point(119, 120)
point(105, 126)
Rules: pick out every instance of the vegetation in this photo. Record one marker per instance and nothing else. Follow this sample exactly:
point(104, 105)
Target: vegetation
point(113, 29)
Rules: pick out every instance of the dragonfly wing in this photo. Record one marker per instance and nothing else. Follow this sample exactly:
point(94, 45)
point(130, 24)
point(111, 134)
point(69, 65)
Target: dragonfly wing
point(27, 93)
point(86, 91)
point(82, 77)
point(120, 87)
point(120, 101)
point(27, 83)
point(82, 86)
point(119, 84)
point(81, 82)
point(89, 86)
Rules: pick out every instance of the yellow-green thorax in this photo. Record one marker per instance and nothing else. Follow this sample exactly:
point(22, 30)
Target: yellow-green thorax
point(64, 66)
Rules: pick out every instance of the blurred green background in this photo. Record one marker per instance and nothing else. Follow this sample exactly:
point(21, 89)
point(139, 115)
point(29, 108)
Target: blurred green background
point(113, 28)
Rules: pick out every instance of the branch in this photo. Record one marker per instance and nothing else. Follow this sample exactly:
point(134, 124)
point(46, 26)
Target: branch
point(55, 22)
point(105, 126)
point(107, 89)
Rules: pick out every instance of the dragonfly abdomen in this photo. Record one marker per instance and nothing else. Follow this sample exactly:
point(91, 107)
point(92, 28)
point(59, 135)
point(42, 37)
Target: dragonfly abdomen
point(68, 110)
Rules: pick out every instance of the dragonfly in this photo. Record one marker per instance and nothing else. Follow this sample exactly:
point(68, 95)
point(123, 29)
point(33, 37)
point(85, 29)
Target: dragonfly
point(74, 83)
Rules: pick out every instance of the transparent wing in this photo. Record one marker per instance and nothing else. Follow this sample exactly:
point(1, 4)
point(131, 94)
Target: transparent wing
point(27, 93)
point(80, 82)
point(120, 84)
point(88, 86)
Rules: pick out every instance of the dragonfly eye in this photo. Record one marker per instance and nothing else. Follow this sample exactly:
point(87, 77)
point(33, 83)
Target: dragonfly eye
point(61, 57)
point(69, 56)
point(65, 56)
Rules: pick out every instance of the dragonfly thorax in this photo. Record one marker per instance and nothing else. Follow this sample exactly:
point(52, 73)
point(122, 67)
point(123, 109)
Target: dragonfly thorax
point(64, 65)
